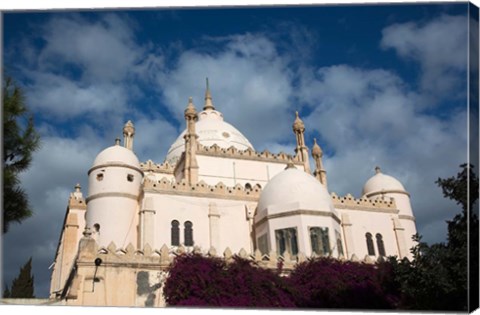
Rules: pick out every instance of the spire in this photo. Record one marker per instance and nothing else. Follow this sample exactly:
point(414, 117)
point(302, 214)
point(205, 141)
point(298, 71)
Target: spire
point(298, 124)
point(317, 155)
point(128, 133)
point(208, 99)
point(301, 150)
point(190, 111)
point(316, 150)
point(77, 187)
point(377, 170)
point(117, 141)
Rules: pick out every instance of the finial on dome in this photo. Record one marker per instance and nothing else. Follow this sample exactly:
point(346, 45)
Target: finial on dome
point(298, 123)
point(77, 187)
point(190, 110)
point(290, 163)
point(208, 99)
point(117, 141)
point(377, 169)
point(316, 150)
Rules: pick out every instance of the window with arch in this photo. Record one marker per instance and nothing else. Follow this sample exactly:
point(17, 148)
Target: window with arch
point(248, 186)
point(175, 233)
point(320, 240)
point(370, 248)
point(380, 245)
point(188, 233)
point(286, 240)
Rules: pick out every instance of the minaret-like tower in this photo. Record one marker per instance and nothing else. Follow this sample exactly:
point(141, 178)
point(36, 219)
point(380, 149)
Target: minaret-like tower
point(319, 172)
point(191, 165)
point(208, 99)
point(301, 150)
point(128, 133)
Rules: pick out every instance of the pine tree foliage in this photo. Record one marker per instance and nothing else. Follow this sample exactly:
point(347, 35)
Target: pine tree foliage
point(6, 292)
point(22, 286)
point(20, 140)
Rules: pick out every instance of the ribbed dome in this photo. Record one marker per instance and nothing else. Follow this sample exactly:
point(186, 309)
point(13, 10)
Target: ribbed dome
point(294, 186)
point(381, 182)
point(211, 129)
point(116, 154)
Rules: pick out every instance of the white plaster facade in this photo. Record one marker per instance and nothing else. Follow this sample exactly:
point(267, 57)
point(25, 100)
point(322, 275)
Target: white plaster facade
point(215, 194)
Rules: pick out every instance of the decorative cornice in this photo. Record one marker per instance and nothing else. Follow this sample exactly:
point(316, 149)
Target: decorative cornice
point(406, 217)
point(382, 192)
point(202, 189)
point(111, 194)
point(298, 212)
point(160, 259)
point(248, 154)
point(365, 204)
point(164, 168)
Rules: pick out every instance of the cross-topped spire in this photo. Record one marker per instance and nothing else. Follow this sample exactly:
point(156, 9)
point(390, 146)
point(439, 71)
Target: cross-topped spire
point(208, 99)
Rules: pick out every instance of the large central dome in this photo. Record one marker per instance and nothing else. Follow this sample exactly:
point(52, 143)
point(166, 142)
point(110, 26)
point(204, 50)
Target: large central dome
point(211, 129)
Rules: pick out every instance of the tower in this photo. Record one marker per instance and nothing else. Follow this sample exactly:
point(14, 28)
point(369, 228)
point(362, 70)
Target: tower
point(114, 190)
point(191, 165)
point(301, 150)
point(319, 172)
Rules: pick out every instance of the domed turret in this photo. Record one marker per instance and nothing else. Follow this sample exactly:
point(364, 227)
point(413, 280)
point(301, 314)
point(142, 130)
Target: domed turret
point(381, 183)
point(293, 189)
point(295, 214)
point(384, 186)
point(113, 192)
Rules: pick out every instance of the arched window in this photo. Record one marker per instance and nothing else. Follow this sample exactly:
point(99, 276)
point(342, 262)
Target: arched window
point(248, 186)
point(370, 248)
point(188, 233)
point(320, 241)
point(287, 241)
point(175, 233)
point(380, 245)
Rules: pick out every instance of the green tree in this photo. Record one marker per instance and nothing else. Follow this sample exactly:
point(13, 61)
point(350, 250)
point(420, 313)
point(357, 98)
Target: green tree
point(22, 286)
point(20, 140)
point(6, 292)
point(463, 234)
point(437, 277)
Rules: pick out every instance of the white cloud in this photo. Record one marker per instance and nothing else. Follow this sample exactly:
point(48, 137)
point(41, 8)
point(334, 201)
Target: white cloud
point(369, 118)
point(64, 98)
point(250, 84)
point(439, 46)
point(103, 50)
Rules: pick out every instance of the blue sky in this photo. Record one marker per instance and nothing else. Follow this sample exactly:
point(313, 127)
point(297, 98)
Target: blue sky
point(376, 85)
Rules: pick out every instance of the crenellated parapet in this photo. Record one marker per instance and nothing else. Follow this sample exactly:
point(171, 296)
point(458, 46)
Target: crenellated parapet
point(163, 257)
point(248, 154)
point(164, 168)
point(202, 189)
point(350, 202)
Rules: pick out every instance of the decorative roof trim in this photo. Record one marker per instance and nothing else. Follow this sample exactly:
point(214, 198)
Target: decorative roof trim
point(382, 192)
point(111, 194)
point(248, 154)
point(202, 189)
point(298, 212)
point(163, 168)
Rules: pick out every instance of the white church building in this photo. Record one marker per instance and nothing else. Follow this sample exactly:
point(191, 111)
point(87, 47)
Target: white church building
point(215, 194)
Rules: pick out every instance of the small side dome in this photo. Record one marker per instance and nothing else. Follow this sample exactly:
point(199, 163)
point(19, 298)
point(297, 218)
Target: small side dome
point(381, 182)
point(294, 187)
point(117, 154)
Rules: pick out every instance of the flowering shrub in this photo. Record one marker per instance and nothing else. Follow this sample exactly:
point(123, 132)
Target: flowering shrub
point(195, 280)
point(328, 283)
